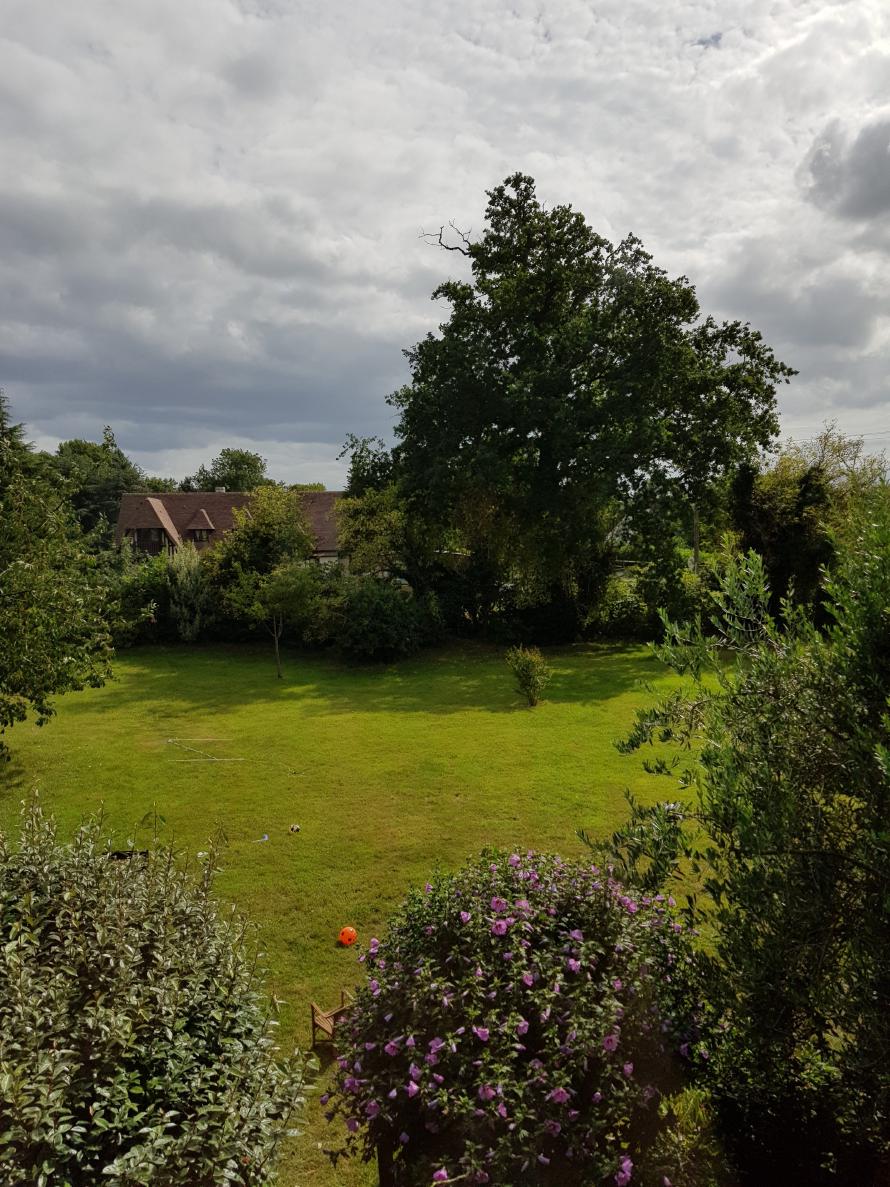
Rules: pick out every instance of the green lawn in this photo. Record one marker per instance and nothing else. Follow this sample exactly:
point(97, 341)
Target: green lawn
point(389, 772)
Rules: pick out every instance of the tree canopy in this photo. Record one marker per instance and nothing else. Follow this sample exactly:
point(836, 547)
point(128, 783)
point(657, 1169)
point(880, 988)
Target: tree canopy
point(569, 372)
point(233, 469)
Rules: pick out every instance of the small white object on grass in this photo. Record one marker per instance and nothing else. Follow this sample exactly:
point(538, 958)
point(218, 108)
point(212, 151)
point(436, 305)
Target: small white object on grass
point(294, 828)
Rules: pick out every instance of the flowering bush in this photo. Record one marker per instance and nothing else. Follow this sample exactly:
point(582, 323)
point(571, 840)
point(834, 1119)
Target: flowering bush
point(511, 1029)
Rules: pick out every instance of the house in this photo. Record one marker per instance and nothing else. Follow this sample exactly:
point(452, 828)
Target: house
point(158, 523)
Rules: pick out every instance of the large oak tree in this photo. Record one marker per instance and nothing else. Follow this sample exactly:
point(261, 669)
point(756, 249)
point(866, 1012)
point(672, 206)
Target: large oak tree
point(570, 373)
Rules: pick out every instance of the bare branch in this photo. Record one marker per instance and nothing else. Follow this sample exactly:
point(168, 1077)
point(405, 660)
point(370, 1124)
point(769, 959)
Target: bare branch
point(439, 240)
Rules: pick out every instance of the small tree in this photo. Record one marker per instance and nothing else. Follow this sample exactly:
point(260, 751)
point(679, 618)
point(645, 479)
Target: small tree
point(531, 671)
point(285, 598)
point(188, 592)
point(135, 1040)
point(54, 597)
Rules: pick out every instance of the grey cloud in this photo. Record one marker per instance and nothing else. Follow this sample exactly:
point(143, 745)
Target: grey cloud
point(850, 176)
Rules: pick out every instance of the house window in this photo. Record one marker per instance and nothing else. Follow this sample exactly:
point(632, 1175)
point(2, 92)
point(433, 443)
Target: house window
point(201, 535)
point(150, 540)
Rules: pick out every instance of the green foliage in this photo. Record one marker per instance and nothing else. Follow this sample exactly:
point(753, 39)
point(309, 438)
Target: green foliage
point(530, 670)
point(54, 598)
point(375, 620)
point(370, 465)
point(135, 1041)
point(286, 598)
point(569, 371)
point(95, 475)
point(188, 599)
point(371, 529)
point(233, 469)
point(142, 590)
point(510, 1029)
point(786, 843)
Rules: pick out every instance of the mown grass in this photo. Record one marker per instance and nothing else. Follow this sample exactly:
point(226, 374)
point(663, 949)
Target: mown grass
point(389, 772)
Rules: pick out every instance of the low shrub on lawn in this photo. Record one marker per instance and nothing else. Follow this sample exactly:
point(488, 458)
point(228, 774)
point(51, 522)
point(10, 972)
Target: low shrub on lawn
point(515, 1027)
point(531, 671)
point(136, 1044)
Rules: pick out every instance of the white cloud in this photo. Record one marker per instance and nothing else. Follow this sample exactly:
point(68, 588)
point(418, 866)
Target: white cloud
point(209, 213)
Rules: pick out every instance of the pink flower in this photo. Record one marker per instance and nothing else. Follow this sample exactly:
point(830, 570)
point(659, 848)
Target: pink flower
point(481, 1033)
point(617, 984)
point(610, 1042)
point(498, 904)
point(499, 927)
point(441, 1175)
point(628, 1069)
point(528, 979)
point(465, 917)
point(559, 1096)
point(625, 1172)
point(411, 1088)
point(576, 935)
point(436, 1044)
point(574, 966)
point(403, 1138)
point(352, 1124)
point(372, 1109)
point(514, 859)
point(486, 1092)
point(522, 1027)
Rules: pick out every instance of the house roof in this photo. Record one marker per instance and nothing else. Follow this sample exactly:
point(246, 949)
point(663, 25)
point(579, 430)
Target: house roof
point(200, 521)
point(183, 511)
point(319, 507)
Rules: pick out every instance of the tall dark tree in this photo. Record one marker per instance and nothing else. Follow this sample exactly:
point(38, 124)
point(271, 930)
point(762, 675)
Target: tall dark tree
point(233, 469)
point(96, 474)
point(568, 372)
point(54, 600)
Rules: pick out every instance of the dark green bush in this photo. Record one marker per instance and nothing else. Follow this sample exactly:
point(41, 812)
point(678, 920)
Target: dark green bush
point(136, 1045)
point(376, 620)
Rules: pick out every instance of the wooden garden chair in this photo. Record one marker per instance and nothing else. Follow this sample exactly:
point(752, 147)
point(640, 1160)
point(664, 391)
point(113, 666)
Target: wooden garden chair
point(326, 1020)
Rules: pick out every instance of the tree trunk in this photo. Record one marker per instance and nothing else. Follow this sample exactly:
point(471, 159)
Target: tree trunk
point(276, 635)
point(695, 539)
point(384, 1164)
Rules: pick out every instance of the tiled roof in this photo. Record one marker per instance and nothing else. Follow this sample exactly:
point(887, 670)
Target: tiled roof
point(184, 511)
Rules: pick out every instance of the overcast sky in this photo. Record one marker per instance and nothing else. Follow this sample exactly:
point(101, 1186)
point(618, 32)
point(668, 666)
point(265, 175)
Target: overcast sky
point(210, 209)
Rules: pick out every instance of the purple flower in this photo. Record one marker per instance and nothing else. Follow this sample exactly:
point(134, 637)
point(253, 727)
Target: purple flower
point(625, 1172)
point(498, 904)
point(543, 1159)
point(499, 927)
point(502, 1110)
point(528, 979)
point(597, 1097)
point(409, 1042)
point(441, 1175)
point(436, 1044)
point(391, 1048)
point(373, 944)
point(576, 935)
point(481, 1033)
point(522, 1027)
point(486, 1092)
point(372, 1108)
point(610, 1042)
point(403, 1138)
point(617, 984)
point(628, 1069)
point(522, 904)
point(480, 1177)
point(415, 1072)
point(374, 986)
point(370, 1046)
point(393, 1093)
point(428, 888)
point(553, 1128)
point(411, 1088)
point(514, 859)
point(352, 1124)
point(465, 916)
point(574, 966)
point(684, 1050)
point(559, 1096)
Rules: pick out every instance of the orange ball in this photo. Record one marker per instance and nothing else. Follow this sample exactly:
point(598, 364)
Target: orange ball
point(347, 936)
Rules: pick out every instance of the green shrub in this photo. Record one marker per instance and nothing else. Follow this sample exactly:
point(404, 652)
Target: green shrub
point(531, 671)
point(188, 592)
point(135, 1043)
point(376, 620)
point(623, 612)
point(513, 1029)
